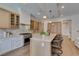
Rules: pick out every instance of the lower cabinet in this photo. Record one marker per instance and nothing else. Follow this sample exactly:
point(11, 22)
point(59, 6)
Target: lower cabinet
point(5, 46)
point(16, 43)
point(11, 44)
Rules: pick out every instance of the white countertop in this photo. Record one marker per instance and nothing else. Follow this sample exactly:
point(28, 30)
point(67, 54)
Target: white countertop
point(41, 38)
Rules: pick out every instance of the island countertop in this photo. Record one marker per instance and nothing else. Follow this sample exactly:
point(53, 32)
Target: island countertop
point(39, 37)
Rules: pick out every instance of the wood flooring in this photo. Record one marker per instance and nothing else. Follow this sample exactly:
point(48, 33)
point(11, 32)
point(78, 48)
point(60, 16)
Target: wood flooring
point(69, 49)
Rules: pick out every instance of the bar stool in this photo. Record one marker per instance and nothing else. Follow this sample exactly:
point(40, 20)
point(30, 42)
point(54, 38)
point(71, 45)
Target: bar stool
point(57, 45)
point(56, 51)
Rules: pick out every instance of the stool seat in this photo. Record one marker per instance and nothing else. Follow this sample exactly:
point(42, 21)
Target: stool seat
point(54, 46)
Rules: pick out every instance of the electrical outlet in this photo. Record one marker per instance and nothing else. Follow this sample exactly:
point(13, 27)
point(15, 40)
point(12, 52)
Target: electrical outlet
point(42, 44)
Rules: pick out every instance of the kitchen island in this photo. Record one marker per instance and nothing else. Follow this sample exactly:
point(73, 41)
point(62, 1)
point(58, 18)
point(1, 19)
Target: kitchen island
point(41, 45)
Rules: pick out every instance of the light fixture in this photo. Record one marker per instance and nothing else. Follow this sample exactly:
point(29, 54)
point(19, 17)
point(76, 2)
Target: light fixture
point(44, 17)
point(60, 10)
point(50, 11)
point(62, 6)
point(50, 21)
point(38, 13)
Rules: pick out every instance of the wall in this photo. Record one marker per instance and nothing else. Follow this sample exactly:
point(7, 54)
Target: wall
point(75, 26)
point(24, 18)
point(45, 25)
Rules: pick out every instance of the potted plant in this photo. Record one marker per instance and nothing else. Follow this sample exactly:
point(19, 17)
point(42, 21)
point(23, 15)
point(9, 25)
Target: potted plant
point(44, 34)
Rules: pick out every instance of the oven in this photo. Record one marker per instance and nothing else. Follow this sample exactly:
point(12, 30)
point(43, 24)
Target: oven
point(27, 37)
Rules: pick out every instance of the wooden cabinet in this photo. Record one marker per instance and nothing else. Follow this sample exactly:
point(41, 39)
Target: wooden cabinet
point(41, 27)
point(31, 24)
point(55, 27)
point(34, 25)
point(17, 21)
point(8, 19)
point(14, 21)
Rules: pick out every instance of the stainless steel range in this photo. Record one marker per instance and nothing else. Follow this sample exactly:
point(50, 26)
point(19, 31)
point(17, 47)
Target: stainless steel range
point(27, 37)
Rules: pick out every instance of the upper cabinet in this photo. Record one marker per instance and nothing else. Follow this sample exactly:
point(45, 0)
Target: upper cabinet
point(14, 21)
point(8, 19)
point(55, 27)
point(36, 26)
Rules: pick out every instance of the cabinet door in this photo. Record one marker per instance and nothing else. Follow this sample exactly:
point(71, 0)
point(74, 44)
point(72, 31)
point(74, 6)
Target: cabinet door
point(17, 42)
point(14, 43)
point(5, 46)
point(4, 19)
point(54, 27)
point(32, 25)
point(17, 21)
point(12, 20)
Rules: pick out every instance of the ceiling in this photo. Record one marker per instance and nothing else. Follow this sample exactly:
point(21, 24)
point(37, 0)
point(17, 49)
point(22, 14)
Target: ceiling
point(34, 8)
point(42, 9)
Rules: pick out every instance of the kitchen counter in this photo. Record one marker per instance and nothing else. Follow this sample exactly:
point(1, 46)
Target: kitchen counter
point(26, 35)
point(41, 46)
point(39, 37)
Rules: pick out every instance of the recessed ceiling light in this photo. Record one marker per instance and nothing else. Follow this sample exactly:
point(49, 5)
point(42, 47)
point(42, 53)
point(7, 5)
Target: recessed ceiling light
point(44, 17)
point(62, 6)
point(38, 13)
